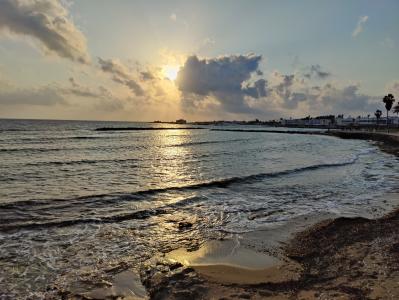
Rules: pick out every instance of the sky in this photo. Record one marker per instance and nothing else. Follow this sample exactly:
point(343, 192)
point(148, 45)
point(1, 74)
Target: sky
point(198, 60)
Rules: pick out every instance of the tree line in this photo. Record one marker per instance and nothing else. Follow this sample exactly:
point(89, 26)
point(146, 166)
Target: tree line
point(388, 101)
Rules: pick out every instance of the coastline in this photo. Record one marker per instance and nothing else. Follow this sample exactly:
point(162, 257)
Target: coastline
point(318, 257)
point(387, 142)
point(341, 258)
point(336, 258)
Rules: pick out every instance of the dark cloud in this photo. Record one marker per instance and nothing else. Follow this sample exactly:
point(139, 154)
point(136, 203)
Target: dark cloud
point(146, 75)
point(346, 99)
point(223, 78)
point(48, 22)
point(315, 71)
point(257, 90)
point(293, 100)
point(114, 67)
point(79, 90)
point(285, 84)
point(286, 91)
point(135, 87)
point(121, 74)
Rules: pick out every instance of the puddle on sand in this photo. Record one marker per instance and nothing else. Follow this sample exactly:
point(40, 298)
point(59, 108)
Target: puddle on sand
point(228, 253)
point(125, 285)
point(228, 262)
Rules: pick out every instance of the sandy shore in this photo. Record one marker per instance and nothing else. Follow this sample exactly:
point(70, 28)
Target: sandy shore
point(343, 258)
point(338, 258)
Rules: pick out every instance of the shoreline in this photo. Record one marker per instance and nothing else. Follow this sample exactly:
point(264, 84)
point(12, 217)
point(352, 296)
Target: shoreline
point(319, 257)
point(336, 258)
point(340, 258)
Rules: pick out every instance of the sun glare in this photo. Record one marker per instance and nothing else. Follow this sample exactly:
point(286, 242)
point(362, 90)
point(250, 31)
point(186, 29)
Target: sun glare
point(170, 72)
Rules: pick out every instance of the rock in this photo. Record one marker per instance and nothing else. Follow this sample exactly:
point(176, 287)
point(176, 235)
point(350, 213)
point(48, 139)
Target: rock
point(185, 225)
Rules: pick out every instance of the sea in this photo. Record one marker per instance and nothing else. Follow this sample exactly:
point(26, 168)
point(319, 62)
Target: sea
point(76, 203)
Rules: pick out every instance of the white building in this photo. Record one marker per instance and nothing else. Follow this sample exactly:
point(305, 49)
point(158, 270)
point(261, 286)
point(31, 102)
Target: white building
point(307, 122)
point(366, 121)
point(340, 121)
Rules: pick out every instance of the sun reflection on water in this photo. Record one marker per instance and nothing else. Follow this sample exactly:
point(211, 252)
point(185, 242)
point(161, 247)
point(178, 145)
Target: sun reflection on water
point(173, 156)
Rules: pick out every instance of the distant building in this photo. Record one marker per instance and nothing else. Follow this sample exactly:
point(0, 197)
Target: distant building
point(181, 121)
point(321, 121)
point(339, 121)
point(365, 121)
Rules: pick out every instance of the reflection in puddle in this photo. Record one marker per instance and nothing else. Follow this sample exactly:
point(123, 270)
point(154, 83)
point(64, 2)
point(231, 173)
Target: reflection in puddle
point(223, 253)
point(228, 262)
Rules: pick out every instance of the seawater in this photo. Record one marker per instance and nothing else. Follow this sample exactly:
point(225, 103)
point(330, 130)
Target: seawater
point(76, 202)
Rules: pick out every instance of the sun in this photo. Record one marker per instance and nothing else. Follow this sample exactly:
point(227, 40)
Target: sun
point(170, 72)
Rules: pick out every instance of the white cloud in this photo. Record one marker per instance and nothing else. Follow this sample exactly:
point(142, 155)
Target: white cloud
point(359, 26)
point(393, 88)
point(388, 43)
point(47, 22)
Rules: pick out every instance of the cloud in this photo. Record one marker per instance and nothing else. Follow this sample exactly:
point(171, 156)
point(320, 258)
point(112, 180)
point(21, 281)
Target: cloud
point(257, 90)
point(78, 90)
point(223, 78)
point(287, 90)
point(45, 96)
point(290, 95)
point(393, 88)
point(388, 43)
point(346, 99)
point(102, 98)
point(359, 26)
point(47, 22)
point(235, 85)
point(315, 71)
point(121, 74)
point(71, 95)
point(146, 75)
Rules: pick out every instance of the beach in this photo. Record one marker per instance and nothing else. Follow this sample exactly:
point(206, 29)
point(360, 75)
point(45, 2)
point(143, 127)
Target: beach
point(341, 258)
point(181, 213)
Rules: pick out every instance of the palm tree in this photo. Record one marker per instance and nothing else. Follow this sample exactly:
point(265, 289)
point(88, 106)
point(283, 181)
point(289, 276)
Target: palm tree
point(388, 100)
point(378, 115)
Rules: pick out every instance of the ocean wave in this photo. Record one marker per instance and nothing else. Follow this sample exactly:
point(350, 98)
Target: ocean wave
point(82, 161)
point(208, 142)
point(137, 215)
point(78, 203)
point(7, 225)
point(220, 183)
point(43, 139)
point(147, 128)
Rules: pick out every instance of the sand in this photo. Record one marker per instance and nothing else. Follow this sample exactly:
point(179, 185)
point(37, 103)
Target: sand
point(226, 274)
point(342, 258)
point(337, 258)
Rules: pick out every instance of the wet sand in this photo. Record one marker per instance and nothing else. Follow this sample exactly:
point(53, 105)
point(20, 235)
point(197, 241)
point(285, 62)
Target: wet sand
point(338, 258)
point(342, 258)
point(317, 257)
